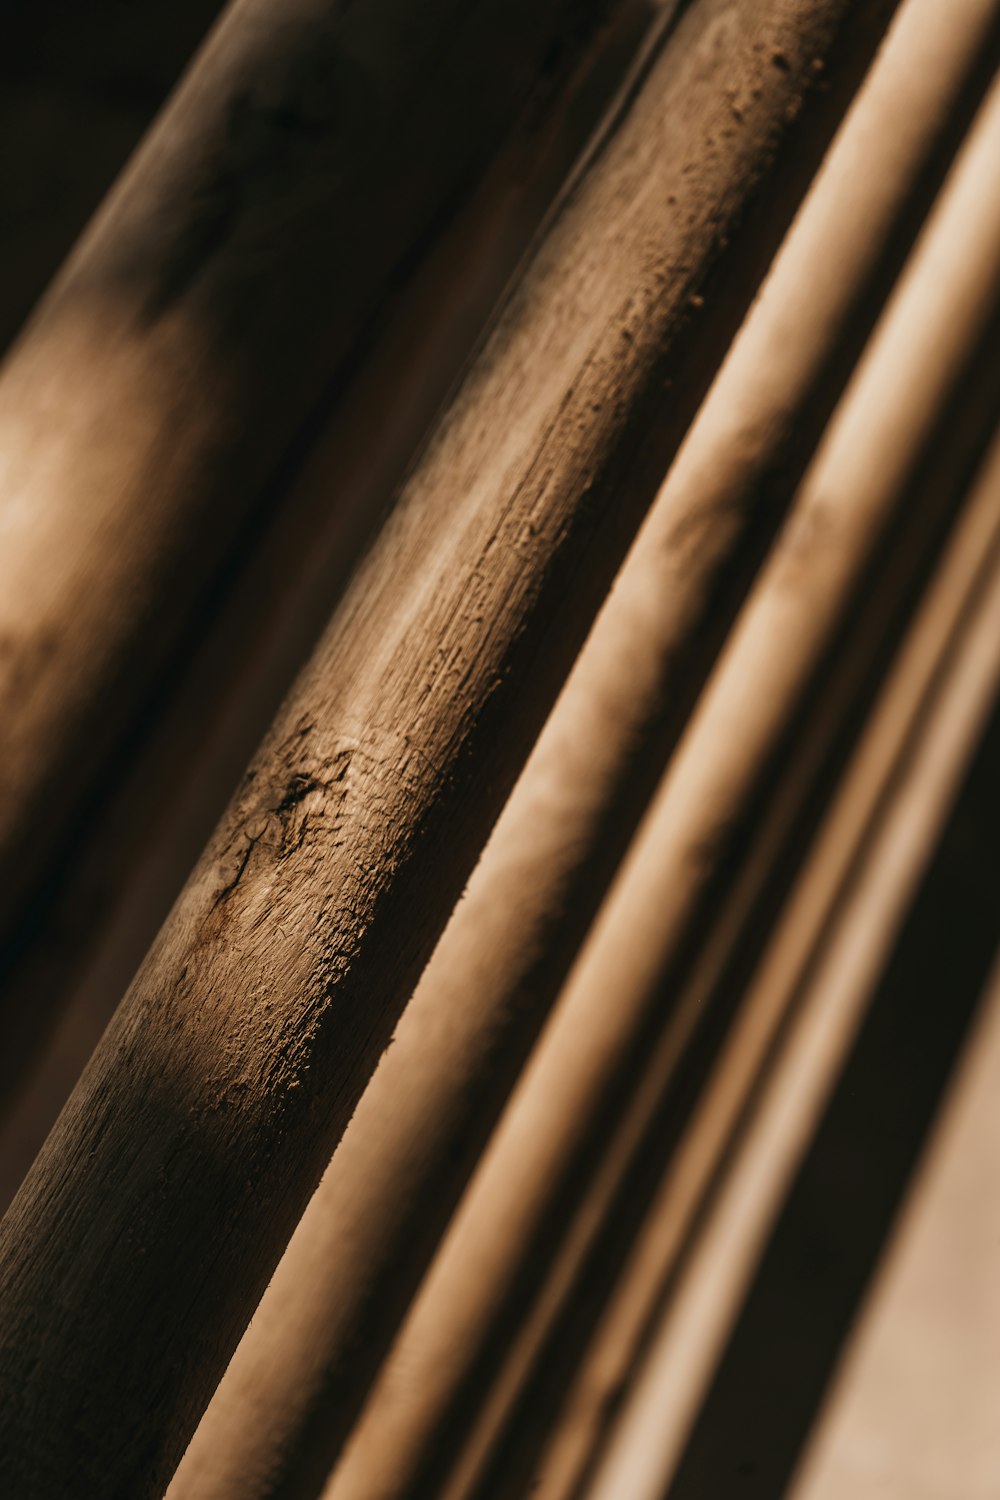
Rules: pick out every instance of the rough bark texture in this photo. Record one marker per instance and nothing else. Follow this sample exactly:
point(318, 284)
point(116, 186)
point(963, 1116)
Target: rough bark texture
point(293, 1387)
point(905, 708)
point(146, 1231)
point(112, 880)
point(311, 160)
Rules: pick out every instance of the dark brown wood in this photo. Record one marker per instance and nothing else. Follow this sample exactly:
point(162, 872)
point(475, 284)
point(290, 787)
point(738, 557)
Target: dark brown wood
point(217, 309)
point(78, 87)
point(144, 1235)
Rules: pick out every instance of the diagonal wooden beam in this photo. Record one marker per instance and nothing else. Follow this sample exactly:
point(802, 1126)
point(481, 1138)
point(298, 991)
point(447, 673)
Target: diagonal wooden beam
point(655, 1267)
point(866, 946)
point(324, 1325)
point(221, 302)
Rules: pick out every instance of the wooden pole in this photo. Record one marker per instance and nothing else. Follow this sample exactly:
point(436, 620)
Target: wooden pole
point(77, 90)
point(848, 966)
point(295, 185)
point(592, 1088)
point(294, 1385)
point(111, 886)
point(145, 1234)
point(908, 702)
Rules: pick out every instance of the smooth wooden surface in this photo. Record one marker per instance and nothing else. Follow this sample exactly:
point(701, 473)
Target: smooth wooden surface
point(909, 701)
point(148, 1227)
point(912, 1411)
point(863, 951)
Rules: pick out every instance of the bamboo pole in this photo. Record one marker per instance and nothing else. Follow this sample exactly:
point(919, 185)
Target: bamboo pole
point(905, 707)
point(293, 1386)
point(578, 1116)
point(145, 1233)
point(228, 290)
point(671, 1380)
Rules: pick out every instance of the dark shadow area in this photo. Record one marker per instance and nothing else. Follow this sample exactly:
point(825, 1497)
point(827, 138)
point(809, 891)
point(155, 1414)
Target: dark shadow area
point(839, 1214)
point(78, 86)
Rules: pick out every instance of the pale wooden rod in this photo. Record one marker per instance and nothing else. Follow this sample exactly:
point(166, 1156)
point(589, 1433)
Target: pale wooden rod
point(907, 703)
point(292, 1388)
point(112, 885)
point(857, 489)
point(144, 1235)
point(573, 1272)
point(839, 979)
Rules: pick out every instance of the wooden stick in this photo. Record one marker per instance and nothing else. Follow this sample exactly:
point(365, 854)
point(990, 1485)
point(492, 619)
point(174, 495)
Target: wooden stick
point(672, 1377)
point(292, 1388)
point(144, 1235)
point(228, 291)
point(914, 1371)
point(579, 1114)
point(905, 706)
point(105, 901)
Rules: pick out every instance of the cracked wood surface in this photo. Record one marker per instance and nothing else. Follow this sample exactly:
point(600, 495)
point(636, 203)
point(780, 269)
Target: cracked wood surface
point(269, 227)
point(147, 1229)
point(607, 1083)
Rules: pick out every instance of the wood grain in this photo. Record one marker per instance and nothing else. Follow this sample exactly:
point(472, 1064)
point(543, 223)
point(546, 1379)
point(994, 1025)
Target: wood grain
point(143, 1237)
point(302, 176)
point(295, 1384)
point(619, 1060)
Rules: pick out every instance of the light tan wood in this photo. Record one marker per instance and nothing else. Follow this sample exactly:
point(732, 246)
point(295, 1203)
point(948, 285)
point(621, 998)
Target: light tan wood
point(672, 1377)
point(908, 702)
point(912, 1411)
point(371, 1228)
